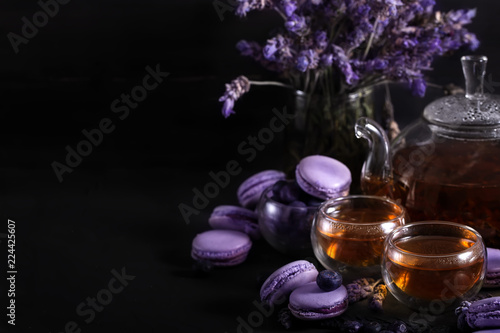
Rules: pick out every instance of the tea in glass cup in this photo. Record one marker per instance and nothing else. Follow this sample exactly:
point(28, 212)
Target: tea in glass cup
point(433, 261)
point(348, 233)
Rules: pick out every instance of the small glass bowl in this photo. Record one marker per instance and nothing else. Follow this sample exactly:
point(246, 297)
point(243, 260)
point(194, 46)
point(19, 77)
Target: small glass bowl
point(348, 233)
point(286, 228)
point(433, 263)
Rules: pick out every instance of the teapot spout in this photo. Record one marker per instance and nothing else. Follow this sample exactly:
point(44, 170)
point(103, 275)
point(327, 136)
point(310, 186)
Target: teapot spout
point(376, 174)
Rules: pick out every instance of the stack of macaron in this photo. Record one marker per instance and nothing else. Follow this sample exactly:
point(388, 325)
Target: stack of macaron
point(479, 315)
point(323, 177)
point(317, 178)
point(250, 191)
point(234, 227)
point(311, 295)
point(492, 278)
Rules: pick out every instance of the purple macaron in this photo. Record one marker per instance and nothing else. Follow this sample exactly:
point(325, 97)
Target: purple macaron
point(492, 279)
point(285, 279)
point(323, 177)
point(484, 313)
point(221, 247)
point(309, 302)
point(235, 218)
point(250, 191)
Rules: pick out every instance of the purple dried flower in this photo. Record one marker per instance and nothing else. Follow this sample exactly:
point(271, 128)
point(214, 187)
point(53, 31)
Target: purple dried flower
point(359, 41)
point(321, 39)
point(271, 48)
point(360, 33)
point(386, 8)
point(471, 40)
point(378, 297)
point(308, 59)
point(247, 5)
point(278, 50)
point(418, 87)
point(326, 60)
point(249, 49)
point(296, 24)
point(376, 65)
point(342, 62)
point(360, 289)
point(234, 91)
point(461, 16)
point(289, 7)
point(427, 5)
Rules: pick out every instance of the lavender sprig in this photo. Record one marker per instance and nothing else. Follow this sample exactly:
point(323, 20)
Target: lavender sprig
point(378, 297)
point(285, 318)
point(234, 90)
point(237, 88)
point(351, 44)
point(360, 289)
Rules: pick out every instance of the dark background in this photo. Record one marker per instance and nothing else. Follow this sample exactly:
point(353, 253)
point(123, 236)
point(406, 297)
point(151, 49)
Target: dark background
point(119, 207)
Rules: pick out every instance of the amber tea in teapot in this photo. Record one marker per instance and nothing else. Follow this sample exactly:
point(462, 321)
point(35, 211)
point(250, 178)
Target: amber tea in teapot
point(458, 184)
point(446, 166)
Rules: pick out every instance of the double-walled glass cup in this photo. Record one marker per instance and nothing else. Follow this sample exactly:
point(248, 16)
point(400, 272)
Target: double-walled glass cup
point(348, 233)
point(433, 262)
point(285, 227)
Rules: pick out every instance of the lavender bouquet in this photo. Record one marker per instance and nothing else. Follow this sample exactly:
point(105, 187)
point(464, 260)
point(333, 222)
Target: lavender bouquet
point(336, 47)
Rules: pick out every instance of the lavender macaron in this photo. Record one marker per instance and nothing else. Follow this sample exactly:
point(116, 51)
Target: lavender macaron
point(492, 279)
point(221, 247)
point(250, 191)
point(285, 279)
point(235, 218)
point(484, 313)
point(309, 302)
point(323, 177)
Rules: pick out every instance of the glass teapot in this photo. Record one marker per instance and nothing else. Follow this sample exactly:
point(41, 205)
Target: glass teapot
point(446, 165)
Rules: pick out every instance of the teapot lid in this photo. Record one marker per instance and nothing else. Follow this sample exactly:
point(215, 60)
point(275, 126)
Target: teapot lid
point(473, 115)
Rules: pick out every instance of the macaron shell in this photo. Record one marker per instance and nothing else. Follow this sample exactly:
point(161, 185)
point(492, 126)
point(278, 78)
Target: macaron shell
point(484, 313)
point(250, 191)
point(235, 218)
point(286, 279)
point(309, 302)
point(492, 279)
point(323, 177)
point(493, 259)
point(485, 305)
point(221, 247)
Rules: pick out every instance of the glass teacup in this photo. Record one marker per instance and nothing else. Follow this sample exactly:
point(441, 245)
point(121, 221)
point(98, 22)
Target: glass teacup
point(433, 261)
point(348, 233)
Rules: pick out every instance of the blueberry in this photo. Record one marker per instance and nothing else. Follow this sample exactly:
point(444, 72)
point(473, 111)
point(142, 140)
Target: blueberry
point(202, 266)
point(372, 327)
point(297, 203)
point(440, 329)
point(398, 327)
point(329, 280)
point(277, 188)
point(289, 192)
point(285, 318)
point(352, 326)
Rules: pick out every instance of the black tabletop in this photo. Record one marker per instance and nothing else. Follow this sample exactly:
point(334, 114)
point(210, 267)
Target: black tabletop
point(93, 182)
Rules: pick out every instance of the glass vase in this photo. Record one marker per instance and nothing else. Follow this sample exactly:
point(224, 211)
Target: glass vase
point(324, 125)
